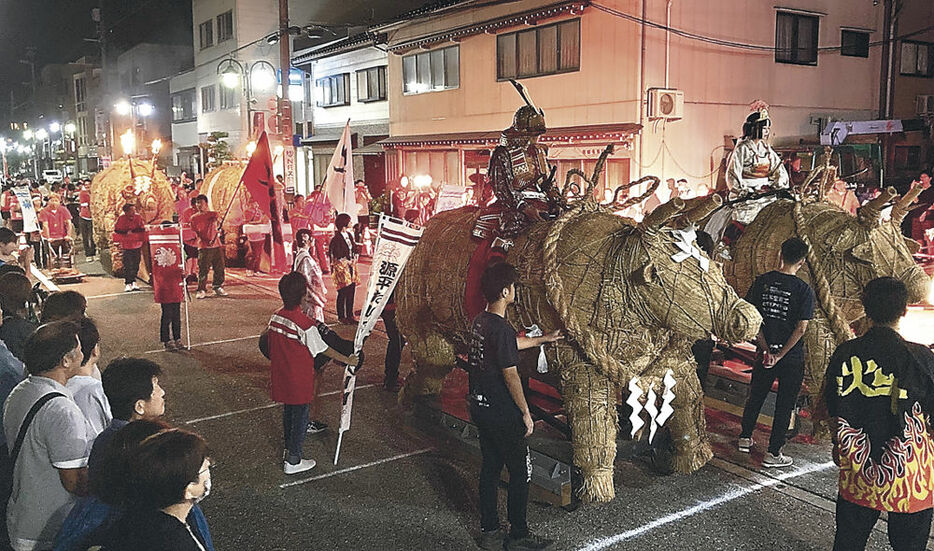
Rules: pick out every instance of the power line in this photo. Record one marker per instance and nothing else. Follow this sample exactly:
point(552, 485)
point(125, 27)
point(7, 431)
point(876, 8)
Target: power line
point(730, 43)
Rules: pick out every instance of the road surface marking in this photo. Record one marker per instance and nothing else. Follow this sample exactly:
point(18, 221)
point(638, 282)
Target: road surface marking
point(356, 468)
point(196, 345)
point(123, 294)
point(258, 408)
point(726, 497)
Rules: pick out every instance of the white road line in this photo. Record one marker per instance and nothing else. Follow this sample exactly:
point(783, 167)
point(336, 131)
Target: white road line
point(726, 497)
point(123, 294)
point(356, 468)
point(196, 345)
point(258, 408)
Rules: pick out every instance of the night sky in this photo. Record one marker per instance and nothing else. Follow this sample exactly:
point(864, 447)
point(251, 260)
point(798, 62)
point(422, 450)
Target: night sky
point(56, 29)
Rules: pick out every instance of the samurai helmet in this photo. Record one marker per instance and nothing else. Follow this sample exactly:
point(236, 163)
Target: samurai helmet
point(526, 122)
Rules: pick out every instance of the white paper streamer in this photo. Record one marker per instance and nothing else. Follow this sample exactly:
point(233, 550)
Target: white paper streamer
point(685, 242)
point(652, 411)
point(536, 331)
point(633, 402)
point(667, 397)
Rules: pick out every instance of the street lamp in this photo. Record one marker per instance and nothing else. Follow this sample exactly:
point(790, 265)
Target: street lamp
point(250, 148)
point(123, 108)
point(145, 109)
point(27, 135)
point(55, 127)
point(70, 127)
point(41, 134)
point(156, 147)
point(230, 70)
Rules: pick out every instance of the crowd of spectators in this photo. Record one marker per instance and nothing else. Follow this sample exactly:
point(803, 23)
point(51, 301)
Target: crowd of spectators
point(87, 461)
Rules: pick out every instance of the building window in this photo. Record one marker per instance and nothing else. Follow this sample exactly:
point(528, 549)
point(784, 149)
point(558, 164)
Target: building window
point(225, 26)
point(183, 106)
point(796, 38)
point(206, 32)
point(228, 97)
point(335, 90)
point(431, 71)
point(207, 99)
point(917, 59)
point(854, 43)
point(81, 95)
point(545, 50)
point(371, 84)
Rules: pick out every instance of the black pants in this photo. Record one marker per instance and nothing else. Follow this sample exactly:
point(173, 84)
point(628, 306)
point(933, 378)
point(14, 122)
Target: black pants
point(39, 254)
point(345, 302)
point(294, 423)
point(907, 531)
point(502, 442)
point(131, 264)
point(789, 373)
point(393, 348)
point(86, 228)
point(171, 317)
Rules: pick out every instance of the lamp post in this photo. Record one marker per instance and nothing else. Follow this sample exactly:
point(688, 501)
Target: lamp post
point(260, 75)
point(41, 135)
point(135, 108)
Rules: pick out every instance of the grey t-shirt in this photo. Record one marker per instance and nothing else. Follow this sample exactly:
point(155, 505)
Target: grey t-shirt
point(56, 439)
point(89, 394)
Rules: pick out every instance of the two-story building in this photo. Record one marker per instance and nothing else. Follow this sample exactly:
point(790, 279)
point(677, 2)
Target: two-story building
point(346, 81)
point(592, 68)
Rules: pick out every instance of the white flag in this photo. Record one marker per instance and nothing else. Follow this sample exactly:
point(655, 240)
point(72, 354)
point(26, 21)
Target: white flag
point(395, 241)
point(30, 220)
point(338, 184)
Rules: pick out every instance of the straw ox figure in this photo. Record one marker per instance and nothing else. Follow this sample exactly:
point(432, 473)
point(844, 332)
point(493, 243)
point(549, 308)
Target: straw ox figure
point(629, 304)
point(846, 253)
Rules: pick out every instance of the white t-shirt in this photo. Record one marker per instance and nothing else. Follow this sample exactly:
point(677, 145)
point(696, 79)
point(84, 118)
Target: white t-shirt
point(56, 439)
point(90, 397)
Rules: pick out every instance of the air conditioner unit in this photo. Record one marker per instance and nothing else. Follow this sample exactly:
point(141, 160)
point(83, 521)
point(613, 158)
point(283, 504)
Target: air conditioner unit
point(924, 105)
point(666, 103)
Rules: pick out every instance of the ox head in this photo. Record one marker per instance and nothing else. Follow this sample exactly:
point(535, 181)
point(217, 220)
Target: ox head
point(674, 285)
point(877, 247)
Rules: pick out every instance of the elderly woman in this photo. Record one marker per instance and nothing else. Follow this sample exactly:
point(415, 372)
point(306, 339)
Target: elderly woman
point(305, 264)
point(171, 472)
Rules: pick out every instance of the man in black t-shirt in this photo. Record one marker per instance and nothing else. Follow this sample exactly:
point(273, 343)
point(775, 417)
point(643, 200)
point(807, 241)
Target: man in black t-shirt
point(786, 304)
point(499, 409)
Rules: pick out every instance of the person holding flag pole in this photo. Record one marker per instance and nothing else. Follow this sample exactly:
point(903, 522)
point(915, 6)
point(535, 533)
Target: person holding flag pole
point(168, 283)
point(395, 241)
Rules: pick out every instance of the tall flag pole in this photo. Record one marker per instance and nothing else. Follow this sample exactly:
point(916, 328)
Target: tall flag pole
point(260, 183)
point(339, 182)
point(395, 241)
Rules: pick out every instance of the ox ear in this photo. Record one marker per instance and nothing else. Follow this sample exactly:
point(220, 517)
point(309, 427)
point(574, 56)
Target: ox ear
point(863, 251)
point(913, 246)
point(643, 275)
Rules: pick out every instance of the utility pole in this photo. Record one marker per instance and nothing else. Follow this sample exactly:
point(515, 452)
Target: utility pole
point(286, 127)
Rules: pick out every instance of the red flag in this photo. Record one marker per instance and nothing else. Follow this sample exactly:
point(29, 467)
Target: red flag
point(261, 184)
point(168, 274)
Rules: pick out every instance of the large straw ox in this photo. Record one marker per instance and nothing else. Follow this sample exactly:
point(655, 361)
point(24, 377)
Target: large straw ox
point(121, 183)
point(846, 253)
point(628, 310)
point(221, 186)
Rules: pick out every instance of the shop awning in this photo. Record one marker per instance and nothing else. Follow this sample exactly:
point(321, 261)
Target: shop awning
point(372, 149)
point(333, 134)
point(565, 135)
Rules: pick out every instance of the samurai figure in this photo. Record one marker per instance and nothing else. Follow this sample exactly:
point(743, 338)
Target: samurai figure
point(752, 169)
point(520, 177)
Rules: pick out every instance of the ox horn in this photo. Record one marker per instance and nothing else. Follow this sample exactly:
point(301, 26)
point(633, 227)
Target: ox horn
point(869, 213)
point(903, 205)
point(663, 213)
point(701, 208)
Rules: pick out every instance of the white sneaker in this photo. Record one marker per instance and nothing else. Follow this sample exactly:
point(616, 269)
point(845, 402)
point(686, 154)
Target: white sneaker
point(127, 288)
point(744, 444)
point(300, 467)
point(779, 460)
point(134, 287)
point(219, 291)
point(201, 294)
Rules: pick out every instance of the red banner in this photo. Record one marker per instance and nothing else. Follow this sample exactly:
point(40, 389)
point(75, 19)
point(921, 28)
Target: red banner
point(262, 186)
point(168, 273)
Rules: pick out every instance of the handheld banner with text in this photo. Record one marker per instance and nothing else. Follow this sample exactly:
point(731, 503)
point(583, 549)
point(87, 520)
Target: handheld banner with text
point(30, 220)
point(395, 241)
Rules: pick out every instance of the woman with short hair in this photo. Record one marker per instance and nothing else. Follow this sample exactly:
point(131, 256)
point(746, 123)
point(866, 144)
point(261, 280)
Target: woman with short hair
point(344, 268)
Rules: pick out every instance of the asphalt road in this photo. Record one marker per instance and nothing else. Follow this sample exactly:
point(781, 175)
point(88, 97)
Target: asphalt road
point(399, 486)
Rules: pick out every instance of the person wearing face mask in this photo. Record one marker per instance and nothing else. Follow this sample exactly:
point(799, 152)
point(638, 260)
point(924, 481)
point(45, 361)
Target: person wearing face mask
point(171, 473)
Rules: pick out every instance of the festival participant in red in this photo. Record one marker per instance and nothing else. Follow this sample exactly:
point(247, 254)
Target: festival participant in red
point(294, 341)
point(167, 284)
point(129, 234)
point(56, 226)
point(321, 217)
point(85, 223)
point(205, 224)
